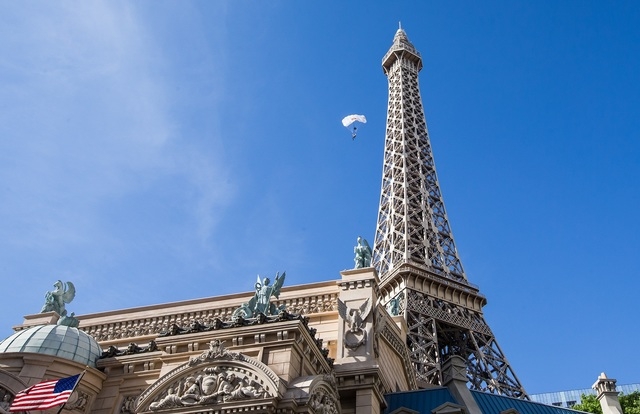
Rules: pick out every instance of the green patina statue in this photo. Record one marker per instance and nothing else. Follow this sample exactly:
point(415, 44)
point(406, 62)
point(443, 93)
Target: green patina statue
point(260, 303)
point(55, 300)
point(363, 254)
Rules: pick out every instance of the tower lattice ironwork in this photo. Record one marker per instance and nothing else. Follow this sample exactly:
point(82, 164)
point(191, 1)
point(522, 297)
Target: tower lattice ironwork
point(414, 251)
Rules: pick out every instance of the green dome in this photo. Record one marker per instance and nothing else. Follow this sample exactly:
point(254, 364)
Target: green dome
point(57, 340)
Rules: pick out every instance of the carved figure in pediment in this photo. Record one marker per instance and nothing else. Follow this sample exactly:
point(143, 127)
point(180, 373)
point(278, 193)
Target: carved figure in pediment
point(226, 383)
point(191, 394)
point(323, 404)
point(246, 389)
point(170, 400)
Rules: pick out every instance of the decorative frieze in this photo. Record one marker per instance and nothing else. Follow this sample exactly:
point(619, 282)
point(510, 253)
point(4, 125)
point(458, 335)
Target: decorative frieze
point(188, 322)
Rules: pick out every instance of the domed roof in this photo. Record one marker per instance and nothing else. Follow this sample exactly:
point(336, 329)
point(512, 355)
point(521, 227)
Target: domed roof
point(57, 340)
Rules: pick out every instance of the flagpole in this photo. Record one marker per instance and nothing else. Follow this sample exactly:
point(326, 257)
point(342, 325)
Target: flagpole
point(72, 390)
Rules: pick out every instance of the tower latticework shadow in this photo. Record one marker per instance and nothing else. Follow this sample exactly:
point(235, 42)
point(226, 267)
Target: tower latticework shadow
point(414, 251)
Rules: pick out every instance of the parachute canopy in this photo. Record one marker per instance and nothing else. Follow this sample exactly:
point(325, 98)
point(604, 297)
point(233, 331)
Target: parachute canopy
point(350, 119)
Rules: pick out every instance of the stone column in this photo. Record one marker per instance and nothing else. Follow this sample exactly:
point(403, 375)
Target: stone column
point(607, 395)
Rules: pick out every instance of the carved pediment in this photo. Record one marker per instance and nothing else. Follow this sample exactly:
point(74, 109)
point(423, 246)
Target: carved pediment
point(215, 377)
point(320, 392)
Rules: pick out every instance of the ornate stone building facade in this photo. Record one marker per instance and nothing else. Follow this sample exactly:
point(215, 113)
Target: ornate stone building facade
point(197, 357)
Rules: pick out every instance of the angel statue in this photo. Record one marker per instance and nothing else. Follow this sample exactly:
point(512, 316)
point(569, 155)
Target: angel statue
point(54, 300)
point(260, 302)
point(363, 254)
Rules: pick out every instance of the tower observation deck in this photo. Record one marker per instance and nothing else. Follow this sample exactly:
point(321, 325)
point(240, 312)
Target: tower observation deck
point(414, 251)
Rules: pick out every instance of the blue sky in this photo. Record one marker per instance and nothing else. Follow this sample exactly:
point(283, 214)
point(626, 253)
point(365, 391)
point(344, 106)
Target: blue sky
point(159, 151)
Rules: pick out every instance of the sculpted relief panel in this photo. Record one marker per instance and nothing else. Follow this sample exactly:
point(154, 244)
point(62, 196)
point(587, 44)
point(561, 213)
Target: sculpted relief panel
point(216, 376)
point(212, 385)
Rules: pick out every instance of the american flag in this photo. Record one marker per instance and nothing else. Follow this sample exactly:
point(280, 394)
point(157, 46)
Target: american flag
point(45, 395)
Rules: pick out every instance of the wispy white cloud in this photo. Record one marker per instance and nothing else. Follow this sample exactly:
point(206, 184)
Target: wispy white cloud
point(85, 118)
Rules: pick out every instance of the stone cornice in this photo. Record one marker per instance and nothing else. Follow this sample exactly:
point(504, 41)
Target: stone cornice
point(148, 322)
point(421, 279)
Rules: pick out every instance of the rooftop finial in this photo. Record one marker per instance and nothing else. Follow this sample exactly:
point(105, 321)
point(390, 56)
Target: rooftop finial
point(400, 25)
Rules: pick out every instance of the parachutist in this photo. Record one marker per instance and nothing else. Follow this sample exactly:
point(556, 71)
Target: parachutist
point(350, 119)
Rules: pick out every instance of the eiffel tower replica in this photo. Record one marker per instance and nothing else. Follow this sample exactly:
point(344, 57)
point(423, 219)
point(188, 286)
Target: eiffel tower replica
point(414, 252)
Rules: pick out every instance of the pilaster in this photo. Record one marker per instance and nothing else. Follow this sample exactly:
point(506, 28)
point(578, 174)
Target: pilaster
point(356, 366)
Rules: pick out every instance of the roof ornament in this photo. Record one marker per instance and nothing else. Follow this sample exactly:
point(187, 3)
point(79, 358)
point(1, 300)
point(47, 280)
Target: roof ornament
point(260, 303)
point(55, 300)
point(363, 254)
